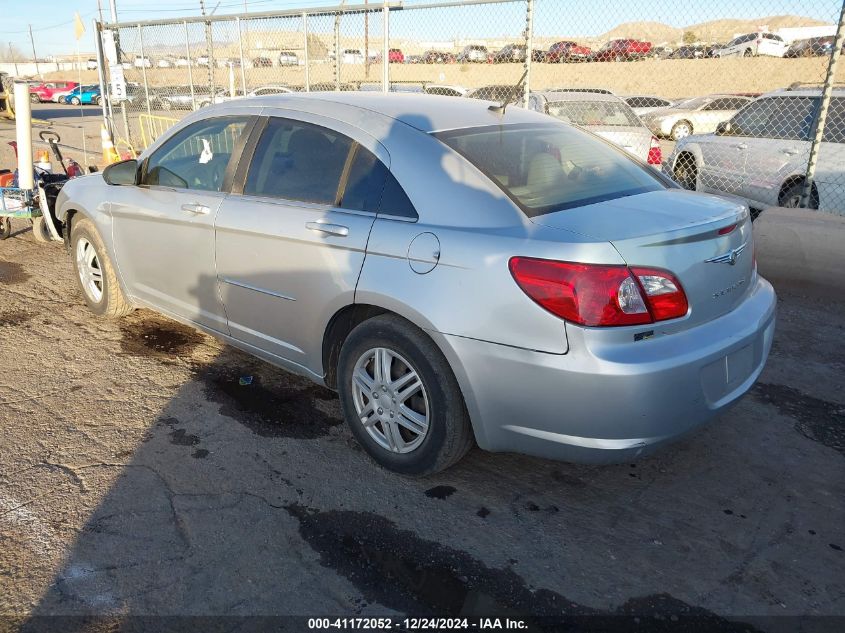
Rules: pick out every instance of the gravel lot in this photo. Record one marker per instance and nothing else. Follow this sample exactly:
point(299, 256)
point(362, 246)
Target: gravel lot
point(138, 476)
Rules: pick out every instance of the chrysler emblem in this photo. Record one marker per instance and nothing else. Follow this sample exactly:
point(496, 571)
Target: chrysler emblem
point(728, 258)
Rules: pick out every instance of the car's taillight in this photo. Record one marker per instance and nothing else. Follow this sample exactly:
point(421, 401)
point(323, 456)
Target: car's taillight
point(600, 295)
point(655, 155)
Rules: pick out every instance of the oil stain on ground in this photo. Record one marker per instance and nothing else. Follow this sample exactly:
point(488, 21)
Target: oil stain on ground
point(440, 492)
point(818, 420)
point(15, 317)
point(12, 273)
point(401, 571)
point(158, 337)
point(270, 405)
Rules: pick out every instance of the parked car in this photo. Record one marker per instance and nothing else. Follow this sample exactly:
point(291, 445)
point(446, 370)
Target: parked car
point(142, 62)
point(92, 64)
point(262, 62)
point(761, 153)
point(473, 54)
point(443, 90)
point(182, 62)
point(395, 56)
point(165, 62)
point(498, 92)
point(600, 91)
point(288, 58)
point(754, 44)
point(698, 115)
point(59, 95)
point(360, 252)
point(643, 104)
point(352, 56)
point(688, 52)
point(438, 57)
point(413, 59)
point(511, 53)
point(179, 97)
point(623, 50)
point(47, 90)
point(605, 115)
point(812, 47)
point(85, 95)
point(203, 60)
point(567, 51)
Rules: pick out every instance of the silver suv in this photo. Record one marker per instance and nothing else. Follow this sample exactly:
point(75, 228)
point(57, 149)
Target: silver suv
point(761, 154)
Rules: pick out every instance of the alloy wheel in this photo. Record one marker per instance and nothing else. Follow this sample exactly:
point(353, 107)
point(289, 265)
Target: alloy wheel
point(89, 270)
point(390, 400)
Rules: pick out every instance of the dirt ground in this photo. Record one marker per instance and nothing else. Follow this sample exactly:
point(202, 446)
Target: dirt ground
point(140, 475)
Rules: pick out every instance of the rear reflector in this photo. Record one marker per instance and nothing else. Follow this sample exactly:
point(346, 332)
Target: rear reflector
point(727, 229)
point(600, 295)
point(655, 154)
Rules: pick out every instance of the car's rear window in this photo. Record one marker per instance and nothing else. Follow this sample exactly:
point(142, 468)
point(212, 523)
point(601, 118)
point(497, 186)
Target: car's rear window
point(610, 113)
point(548, 168)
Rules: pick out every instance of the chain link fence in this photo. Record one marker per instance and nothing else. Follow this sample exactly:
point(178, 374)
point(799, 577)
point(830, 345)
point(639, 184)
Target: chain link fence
point(744, 99)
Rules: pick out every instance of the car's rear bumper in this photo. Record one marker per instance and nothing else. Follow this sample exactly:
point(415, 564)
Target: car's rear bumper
point(604, 403)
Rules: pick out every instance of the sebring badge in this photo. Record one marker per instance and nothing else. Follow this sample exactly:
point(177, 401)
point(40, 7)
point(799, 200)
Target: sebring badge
point(728, 258)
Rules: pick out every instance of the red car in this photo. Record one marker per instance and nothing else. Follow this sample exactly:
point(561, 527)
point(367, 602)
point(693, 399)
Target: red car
point(45, 91)
point(567, 52)
point(622, 51)
point(395, 56)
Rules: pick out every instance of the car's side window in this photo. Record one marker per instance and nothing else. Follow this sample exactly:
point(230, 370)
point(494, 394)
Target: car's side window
point(298, 161)
point(787, 118)
point(834, 129)
point(371, 187)
point(719, 104)
point(197, 156)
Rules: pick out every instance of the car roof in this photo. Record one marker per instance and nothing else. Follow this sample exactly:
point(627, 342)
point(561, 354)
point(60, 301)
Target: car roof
point(803, 92)
point(577, 96)
point(427, 113)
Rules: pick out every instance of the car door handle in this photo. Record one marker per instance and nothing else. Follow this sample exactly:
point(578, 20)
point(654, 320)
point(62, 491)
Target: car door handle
point(328, 229)
point(790, 152)
point(741, 146)
point(196, 208)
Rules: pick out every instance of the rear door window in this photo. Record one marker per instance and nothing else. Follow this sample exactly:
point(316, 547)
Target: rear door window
point(298, 161)
point(834, 129)
point(371, 187)
point(787, 118)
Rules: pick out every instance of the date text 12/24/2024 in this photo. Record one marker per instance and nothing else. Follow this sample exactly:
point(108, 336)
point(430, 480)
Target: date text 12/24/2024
point(418, 624)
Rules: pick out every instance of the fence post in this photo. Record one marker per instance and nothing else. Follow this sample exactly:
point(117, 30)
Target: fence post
point(385, 52)
point(190, 66)
point(144, 69)
point(337, 52)
point(529, 49)
point(101, 75)
point(824, 106)
point(241, 48)
point(307, 55)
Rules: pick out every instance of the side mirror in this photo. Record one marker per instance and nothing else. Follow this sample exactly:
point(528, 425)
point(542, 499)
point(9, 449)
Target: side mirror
point(723, 129)
point(123, 173)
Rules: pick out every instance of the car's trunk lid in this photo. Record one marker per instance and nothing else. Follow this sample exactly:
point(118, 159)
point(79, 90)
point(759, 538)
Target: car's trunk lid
point(678, 231)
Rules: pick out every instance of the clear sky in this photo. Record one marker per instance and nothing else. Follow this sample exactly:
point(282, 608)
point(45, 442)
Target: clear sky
point(52, 20)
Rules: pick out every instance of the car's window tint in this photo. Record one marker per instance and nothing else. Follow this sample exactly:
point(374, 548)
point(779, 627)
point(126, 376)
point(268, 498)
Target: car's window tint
point(547, 168)
point(371, 187)
point(776, 117)
point(610, 113)
point(834, 129)
point(197, 156)
point(298, 161)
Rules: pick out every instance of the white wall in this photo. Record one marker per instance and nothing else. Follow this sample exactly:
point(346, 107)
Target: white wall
point(27, 69)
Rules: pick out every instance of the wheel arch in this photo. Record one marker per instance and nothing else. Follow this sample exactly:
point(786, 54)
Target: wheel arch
point(796, 179)
point(347, 318)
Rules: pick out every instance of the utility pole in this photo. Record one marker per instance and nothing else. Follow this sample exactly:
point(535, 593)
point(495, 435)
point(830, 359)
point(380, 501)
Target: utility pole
point(14, 59)
point(34, 55)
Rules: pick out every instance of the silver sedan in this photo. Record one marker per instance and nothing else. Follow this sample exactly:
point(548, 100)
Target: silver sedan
point(459, 274)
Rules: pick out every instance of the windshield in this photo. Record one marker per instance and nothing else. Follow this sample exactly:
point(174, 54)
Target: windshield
point(548, 168)
point(692, 104)
point(589, 113)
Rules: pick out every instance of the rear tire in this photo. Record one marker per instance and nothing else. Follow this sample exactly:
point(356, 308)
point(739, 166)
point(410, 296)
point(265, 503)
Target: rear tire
point(5, 228)
point(101, 290)
point(686, 172)
point(790, 197)
point(748, 53)
point(75, 101)
point(33, 98)
point(441, 433)
point(40, 232)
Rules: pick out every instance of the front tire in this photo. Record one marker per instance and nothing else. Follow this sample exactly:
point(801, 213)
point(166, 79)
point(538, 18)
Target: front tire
point(400, 398)
point(33, 98)
point(5, 228)
point(40, 232)
point(748, 53)
point(790, 197)
point(75, 101)
point(95, 275)
point(686, 172)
